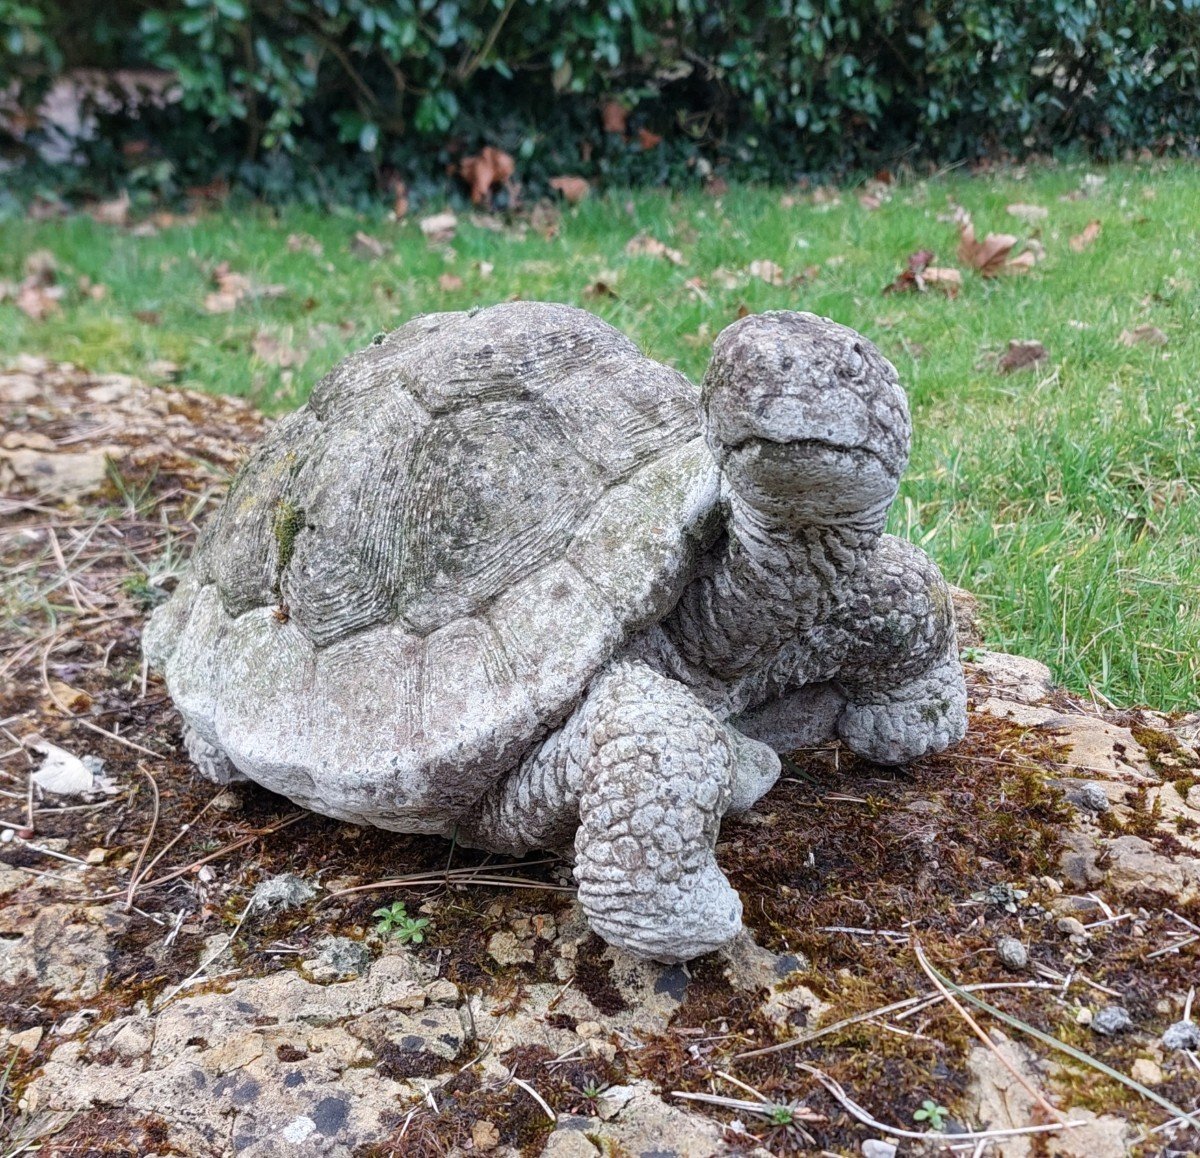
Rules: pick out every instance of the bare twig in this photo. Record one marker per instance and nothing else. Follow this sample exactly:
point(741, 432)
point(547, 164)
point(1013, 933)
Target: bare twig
point(135, 876)
point(1069, 1050)
point(536, 1097)
point(921, 1001)
point(863, 1116)
point(1029, 1088)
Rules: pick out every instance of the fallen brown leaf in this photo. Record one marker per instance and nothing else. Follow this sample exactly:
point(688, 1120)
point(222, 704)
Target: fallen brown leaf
point(987, 256)
point(450, 282)
point(766, 271)
point(1020, 355)
point(1030, 214)
point(95, 290)
point(545, 218)
point(906, 280)
point(41, 267)
point(1081, 241)
point(148, 317)
point(613, 117)
point(269, 349)
point(114, 212)
point(439, 226)
point(643, 245)
point(600, 289)
point(485, 171)
point(946, 278)
point(400, 201)
point(1143, 335)
point(38, 301)
point(716, 186)
point(743, 310)
point(991, 256)
point(367, 247)
point(304, 243)
point(648, 140)
point(232, 288)
point(573, 189)
point(215, 190)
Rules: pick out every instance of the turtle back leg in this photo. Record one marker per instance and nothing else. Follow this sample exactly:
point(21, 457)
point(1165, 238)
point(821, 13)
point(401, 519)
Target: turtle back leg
point(642, 773)
point(902, 679)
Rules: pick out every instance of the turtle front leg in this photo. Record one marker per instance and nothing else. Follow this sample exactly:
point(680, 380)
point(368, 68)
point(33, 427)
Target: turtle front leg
point(643, 773)
point(902, 678)
point(660, 773)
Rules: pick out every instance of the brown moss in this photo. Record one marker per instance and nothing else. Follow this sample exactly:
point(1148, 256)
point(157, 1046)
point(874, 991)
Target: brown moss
point(592, 969)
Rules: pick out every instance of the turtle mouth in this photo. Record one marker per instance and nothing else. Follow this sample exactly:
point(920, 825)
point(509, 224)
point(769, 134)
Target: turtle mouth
point(809, 447)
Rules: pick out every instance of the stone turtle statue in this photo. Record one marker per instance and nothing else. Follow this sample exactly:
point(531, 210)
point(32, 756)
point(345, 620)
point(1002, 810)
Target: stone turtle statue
point(507, 578)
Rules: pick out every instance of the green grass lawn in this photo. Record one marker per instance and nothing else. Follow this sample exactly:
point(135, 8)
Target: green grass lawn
point(1066, 496)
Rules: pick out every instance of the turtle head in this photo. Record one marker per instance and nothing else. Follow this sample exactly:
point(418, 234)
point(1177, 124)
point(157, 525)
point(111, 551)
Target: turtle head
point(807, 419)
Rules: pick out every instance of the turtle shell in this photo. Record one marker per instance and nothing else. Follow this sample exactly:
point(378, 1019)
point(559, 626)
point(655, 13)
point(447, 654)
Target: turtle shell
point(414, 577)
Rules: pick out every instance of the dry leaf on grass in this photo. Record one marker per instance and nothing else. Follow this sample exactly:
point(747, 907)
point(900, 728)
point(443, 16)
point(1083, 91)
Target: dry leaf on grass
point(648, 140)
point(38, 295)
point(544, 219)
point(489, 169)
point(95, 290)
point(643, 245)
point(1030, 214)
point(1020, 355)
point(874, 193)
point(600, 289)
point(716, 186)
point(400, 199)
point(38, 302)
point(304, 243)
point(233, 288)
point(114, 212)
point(271, 350)
point(695, 286)
point(993, 255)
point(946, 278)
point(367, 247)
point(450, 282)
point(1081, 241)
point(1143, 335)
point(439, 226)
point(766, 271)
point(919, 275)
point(573, 189)
point(613, 117)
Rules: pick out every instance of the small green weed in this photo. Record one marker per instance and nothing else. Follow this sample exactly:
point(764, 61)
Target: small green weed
point(932, 1113)
point(393, 921)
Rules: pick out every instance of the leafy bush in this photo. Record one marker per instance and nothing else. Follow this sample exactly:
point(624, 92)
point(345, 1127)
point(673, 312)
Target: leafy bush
point(274, 89)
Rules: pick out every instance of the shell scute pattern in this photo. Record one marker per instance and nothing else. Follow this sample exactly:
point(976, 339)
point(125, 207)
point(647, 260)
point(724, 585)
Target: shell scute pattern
point(437, 624)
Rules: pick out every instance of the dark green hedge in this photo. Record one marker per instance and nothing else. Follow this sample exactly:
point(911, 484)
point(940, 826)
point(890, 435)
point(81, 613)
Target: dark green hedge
point(284, 91)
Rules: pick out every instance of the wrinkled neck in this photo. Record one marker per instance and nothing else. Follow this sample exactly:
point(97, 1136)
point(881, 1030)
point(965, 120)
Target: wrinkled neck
point(771, 578)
